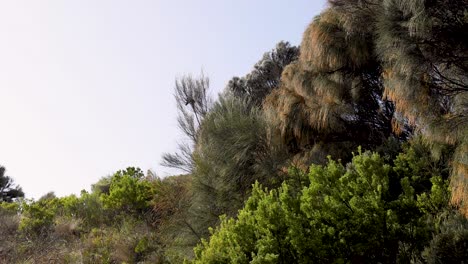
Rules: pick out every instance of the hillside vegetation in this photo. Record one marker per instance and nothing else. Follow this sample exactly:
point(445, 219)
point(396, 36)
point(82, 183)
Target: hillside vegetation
point(352, 148)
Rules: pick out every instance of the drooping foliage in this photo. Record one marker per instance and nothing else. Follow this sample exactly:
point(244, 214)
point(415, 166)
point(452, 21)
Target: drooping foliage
point(8, 190)
point(232, 153)
point(366, 212)
point(330, 100)
point(193, 103)
point(232, 146)
point(373, 69)
point(425, 57)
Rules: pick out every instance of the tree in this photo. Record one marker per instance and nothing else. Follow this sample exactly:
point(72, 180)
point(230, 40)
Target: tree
point(372, 69)
point(330, 100)
point(233, 151)
point(8, 190)
point(366, 212)
point(265, 76)
point(424, 53)
point(193, 103)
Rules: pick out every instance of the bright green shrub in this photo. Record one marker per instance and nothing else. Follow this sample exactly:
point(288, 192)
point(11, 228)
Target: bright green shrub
point(38, 217)
point(128, 192)
point(366, 212)
point(9, 208)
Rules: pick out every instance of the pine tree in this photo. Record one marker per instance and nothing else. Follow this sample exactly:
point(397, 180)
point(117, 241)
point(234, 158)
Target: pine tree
point(424, 52)
point(8, 190)
point(378, 68)
point(193, 103)
point(232, 153)
point(330, 101)
point(265, 76)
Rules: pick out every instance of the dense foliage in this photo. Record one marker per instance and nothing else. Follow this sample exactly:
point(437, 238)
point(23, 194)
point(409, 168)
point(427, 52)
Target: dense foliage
point(349, 149)
point(366, 212)
point(8, 191)
point(265, 76)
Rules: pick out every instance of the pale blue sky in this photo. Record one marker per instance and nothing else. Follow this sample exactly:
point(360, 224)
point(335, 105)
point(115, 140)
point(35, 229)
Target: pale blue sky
point(86, 85)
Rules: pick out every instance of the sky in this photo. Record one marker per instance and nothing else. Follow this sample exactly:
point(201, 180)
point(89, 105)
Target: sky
point(86, 86)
